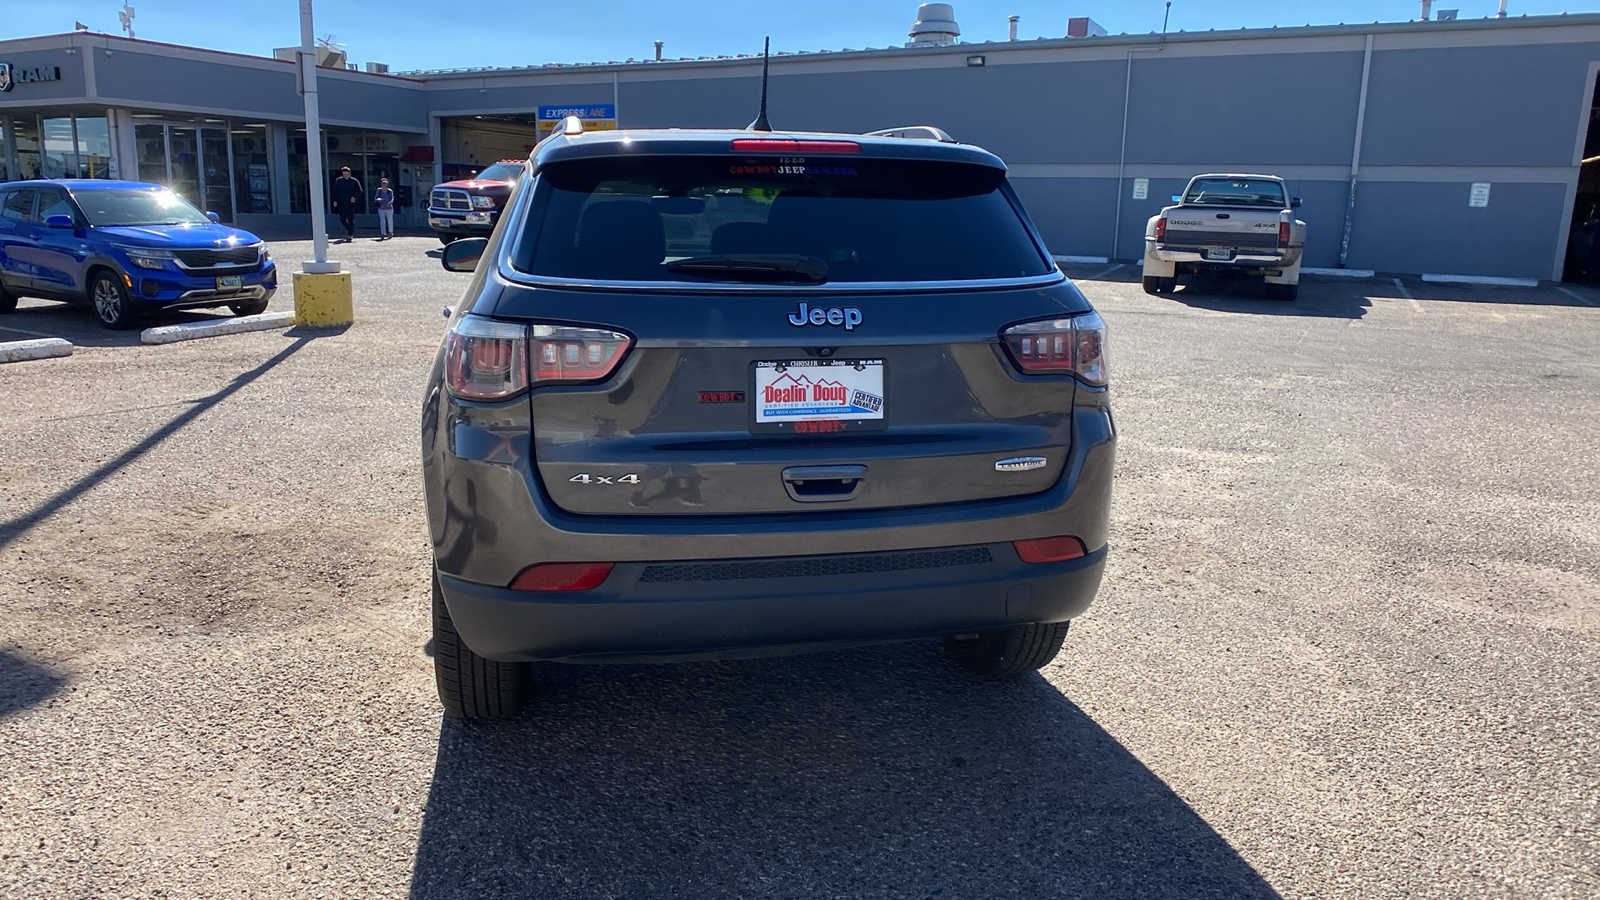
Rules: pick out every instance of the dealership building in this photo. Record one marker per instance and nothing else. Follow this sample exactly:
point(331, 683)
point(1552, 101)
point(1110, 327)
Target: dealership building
point(1454, 147)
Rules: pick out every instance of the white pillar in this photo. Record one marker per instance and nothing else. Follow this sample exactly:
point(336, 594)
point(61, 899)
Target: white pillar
point(319, 216)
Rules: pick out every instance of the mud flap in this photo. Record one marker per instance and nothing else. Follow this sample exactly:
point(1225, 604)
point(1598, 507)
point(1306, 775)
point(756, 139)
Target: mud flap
point(1290, 275)
point(1157, 268)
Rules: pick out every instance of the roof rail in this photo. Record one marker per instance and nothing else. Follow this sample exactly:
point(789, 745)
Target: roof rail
point(916, 132)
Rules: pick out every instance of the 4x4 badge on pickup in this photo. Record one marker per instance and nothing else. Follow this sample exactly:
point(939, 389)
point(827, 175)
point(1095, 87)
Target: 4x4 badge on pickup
point(848, 316)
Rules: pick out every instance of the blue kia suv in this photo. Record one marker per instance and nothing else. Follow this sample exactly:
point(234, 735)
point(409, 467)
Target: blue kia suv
point(125, 248)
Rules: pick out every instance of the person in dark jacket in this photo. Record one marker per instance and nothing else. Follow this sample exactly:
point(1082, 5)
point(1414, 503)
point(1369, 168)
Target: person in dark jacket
point(346, 201)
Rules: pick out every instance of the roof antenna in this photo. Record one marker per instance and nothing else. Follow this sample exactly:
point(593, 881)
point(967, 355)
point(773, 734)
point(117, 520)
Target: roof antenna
point(761, 123)
point(1165, 16)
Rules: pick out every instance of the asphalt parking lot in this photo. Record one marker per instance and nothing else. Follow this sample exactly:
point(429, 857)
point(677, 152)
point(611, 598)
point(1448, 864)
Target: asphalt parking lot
point(1346, 646)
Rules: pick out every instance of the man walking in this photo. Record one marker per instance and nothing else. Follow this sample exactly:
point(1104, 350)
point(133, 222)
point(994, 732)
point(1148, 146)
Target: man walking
point(385, 204)
point(346, 198)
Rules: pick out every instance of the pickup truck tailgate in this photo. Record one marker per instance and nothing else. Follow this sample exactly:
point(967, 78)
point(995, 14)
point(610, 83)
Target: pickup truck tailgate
point(1212, 227)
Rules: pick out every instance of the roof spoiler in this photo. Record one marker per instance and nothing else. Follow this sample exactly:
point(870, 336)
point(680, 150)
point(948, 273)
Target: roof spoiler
point(916, 132)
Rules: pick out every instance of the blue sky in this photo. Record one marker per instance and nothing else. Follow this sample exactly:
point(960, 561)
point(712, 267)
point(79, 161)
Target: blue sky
point(411, 34)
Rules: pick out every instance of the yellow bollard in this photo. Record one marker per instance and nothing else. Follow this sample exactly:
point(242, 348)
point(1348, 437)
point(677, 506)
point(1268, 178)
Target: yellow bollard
point(323, 300)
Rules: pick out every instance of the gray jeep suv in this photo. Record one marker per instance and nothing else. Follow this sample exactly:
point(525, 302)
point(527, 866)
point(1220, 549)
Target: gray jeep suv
point(714, 394)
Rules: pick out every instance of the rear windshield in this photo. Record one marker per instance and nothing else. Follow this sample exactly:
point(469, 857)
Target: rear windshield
point(731, 218)
point(1235, 192)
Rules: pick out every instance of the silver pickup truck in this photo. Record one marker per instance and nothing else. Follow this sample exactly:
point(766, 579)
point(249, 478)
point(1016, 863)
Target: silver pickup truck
point(1240, 223)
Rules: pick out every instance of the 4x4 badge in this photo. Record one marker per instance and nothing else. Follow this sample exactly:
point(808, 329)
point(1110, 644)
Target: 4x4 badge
point(848, 316)
point(586, 478)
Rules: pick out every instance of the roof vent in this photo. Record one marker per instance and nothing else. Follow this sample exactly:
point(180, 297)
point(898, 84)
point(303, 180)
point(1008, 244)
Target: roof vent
point(935, 26)
point(1083, 26)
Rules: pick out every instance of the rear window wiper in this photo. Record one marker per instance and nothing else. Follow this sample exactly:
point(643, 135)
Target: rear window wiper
point(757, 267)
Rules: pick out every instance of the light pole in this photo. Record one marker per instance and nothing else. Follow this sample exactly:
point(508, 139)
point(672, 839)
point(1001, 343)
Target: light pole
point(319, 265)
point(322, 293)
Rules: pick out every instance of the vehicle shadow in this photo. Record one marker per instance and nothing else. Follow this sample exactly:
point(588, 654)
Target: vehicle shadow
point(1333, 298)
point(23, 684)
point(879, 772)
point(76, 323)
point(20, 524)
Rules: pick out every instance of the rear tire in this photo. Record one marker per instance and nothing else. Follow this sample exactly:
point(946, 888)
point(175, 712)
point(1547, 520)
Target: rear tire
point(471, 687)
point(1154, 284)
point(110, 300)
point(8, 300)
point(1284, 292)
point(252, 308)
point(1009, 651)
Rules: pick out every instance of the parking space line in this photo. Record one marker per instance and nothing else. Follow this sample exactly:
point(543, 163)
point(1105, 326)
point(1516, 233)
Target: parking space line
point(1576, 296)
point(1100, 275)
point(1407, 294)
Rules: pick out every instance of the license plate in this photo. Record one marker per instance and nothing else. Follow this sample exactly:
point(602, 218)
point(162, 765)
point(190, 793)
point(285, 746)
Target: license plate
point(812, 390)
point(230, 282)
point(1219, 254)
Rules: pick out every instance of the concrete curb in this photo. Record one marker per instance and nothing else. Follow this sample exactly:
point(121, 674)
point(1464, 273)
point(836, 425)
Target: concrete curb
point(1481, 279)
point(167, 334)
point(1082, 259)
point(1340, 273)
point(43, 348)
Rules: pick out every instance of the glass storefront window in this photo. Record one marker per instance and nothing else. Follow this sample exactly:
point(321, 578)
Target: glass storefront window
point(151, 142)
point(25, 134)
point(5, 155)
point(185, 163)
point(94, 147)
point(252, 182)
point(60, 150)
point(218, 185)
point(299, 184)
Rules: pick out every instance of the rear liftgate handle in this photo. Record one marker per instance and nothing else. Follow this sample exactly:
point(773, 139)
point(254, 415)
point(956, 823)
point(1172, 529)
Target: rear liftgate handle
point(823, 484)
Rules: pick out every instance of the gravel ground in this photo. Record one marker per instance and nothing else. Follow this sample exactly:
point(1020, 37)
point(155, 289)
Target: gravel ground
point(1346, 646)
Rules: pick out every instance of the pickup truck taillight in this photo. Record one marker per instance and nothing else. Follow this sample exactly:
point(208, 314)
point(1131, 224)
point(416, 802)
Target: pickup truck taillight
point(1161, 228)
point(489, 360)
point(1074, 346)
point(1283, 234)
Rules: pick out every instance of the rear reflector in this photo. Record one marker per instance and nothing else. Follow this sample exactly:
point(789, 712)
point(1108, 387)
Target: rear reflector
point(1050, 549)
point(785, 145)
point(561, 577)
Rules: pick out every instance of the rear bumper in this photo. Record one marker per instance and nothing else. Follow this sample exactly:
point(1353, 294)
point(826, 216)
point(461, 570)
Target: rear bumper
point(646, 610)
point(1245, 259)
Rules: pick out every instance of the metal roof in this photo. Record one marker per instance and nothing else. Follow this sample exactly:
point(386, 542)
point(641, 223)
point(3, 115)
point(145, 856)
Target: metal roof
point(1124, 39)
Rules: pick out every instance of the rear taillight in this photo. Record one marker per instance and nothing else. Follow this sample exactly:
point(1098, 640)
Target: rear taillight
point(1283, 234)
point(490, 360)
point(485, 359)
point(568, 353)
point(561, 577)
point(1051, 549)
point(1074, 346)
point(1161, 228)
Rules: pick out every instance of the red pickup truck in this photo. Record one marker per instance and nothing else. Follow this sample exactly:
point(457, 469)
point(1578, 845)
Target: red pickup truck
point(472, 206)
